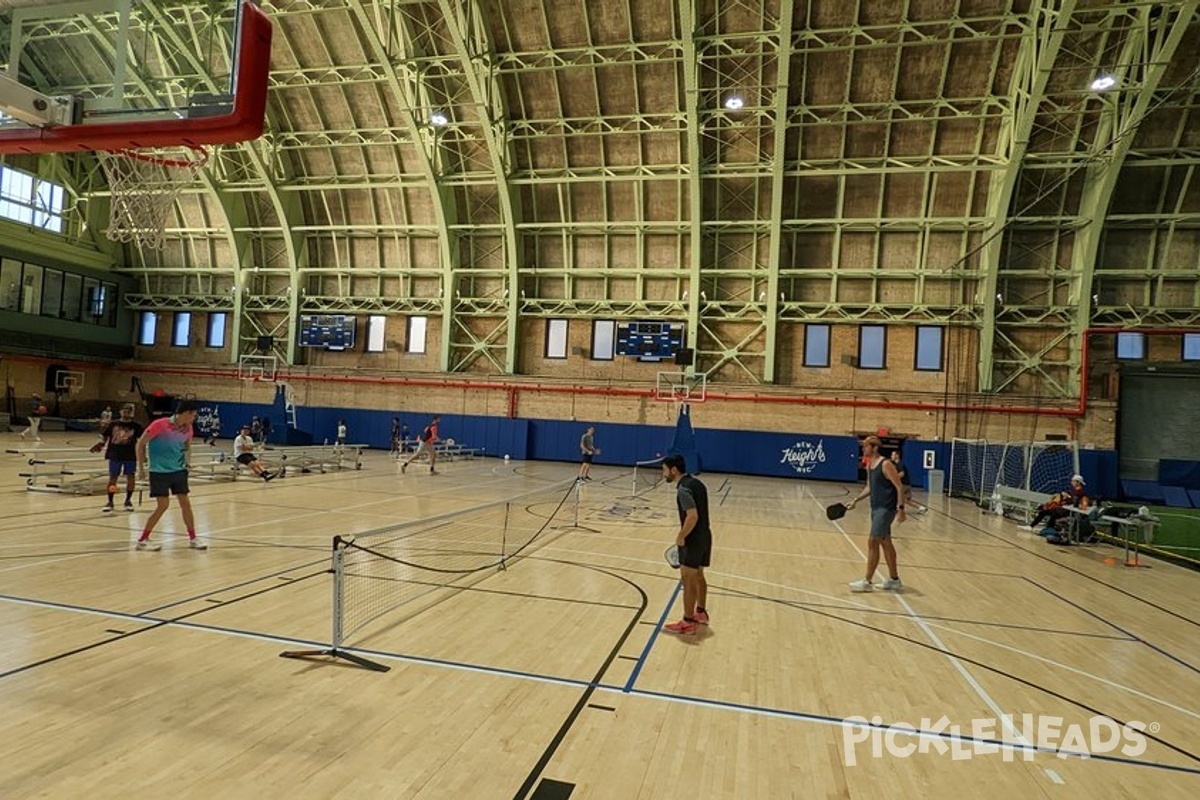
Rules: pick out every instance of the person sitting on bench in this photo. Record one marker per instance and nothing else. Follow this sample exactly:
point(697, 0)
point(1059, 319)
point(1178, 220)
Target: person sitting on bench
point(1052, 510)
point(243, 451)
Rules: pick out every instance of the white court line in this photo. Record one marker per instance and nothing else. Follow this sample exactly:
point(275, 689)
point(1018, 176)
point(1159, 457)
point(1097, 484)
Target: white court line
point(851, 605)
point(1006, 721)
point(44, 562)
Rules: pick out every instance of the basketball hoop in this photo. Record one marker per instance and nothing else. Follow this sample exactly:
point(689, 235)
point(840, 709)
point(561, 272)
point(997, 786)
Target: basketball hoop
point(145, 184)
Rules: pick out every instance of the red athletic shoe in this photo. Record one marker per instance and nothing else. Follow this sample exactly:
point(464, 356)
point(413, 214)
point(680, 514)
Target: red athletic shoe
point(701, 617)
point(684, 627)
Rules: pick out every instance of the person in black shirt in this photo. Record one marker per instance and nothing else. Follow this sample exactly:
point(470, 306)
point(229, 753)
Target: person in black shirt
point(120, 443)
point(694, 541)
point(887, 504)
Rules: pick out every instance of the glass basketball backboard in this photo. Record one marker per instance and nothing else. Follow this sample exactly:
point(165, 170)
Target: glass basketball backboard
point(159, 65)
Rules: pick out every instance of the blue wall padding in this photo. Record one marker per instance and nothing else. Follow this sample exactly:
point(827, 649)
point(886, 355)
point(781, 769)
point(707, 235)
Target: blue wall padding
point(772, 453)
point(1175, 472)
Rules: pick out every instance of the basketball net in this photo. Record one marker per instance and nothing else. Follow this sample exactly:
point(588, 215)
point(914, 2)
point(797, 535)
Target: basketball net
point(145, 184)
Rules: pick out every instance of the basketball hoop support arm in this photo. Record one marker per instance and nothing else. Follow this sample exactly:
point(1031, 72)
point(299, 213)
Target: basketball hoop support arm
point(34, 108)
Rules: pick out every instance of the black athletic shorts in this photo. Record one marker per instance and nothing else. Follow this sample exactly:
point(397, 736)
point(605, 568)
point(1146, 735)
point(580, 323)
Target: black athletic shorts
point(164, 483)
point(246, 458)
point(696, 551)
point(587, 458)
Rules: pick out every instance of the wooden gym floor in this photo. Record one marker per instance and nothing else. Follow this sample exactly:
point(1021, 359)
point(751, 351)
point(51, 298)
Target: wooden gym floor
point(156, 675)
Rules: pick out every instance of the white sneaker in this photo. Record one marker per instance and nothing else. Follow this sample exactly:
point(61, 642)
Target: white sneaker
point(196, 544)
point(146, 544)
point(861, 585)
point(107, 508)
point(890, 585)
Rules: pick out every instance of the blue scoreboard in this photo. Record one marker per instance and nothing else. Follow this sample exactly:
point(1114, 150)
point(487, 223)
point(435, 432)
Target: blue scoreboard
point(330, 331)
point(649, 341)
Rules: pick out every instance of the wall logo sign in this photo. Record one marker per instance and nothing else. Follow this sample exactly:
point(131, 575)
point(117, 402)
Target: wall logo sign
point(804, 456)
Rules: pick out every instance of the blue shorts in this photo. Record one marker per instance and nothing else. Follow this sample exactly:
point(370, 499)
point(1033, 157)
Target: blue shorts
point(164, 483)
point(115, 468)
point(881, 522)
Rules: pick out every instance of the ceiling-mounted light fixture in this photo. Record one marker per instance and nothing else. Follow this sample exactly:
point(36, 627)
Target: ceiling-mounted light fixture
point(734, 102)
point(1103, 82)
point(438, 119)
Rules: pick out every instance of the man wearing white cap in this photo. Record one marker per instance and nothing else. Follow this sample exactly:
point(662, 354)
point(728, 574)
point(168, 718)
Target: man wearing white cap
point(1053, 510)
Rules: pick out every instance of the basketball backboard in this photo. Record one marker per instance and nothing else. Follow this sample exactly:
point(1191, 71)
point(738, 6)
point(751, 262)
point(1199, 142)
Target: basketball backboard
point(111, 74)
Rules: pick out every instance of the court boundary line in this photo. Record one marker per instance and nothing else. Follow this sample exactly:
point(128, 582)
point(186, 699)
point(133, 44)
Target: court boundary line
point(608, 688)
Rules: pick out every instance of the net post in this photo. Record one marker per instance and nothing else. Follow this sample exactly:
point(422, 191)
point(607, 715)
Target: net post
point(337, 567)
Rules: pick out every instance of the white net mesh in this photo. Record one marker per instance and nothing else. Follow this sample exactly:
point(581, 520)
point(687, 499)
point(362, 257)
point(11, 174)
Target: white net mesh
point(145, 184)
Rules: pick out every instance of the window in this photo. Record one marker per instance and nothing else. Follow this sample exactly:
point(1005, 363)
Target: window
point(604, 334)
point(30, 200)
point(52, 289)
point(216, 329)
point(1131, 346)
point(109, 293)
point(929, 348)
point(376, 328)
point(10, 285)
point(148, 329)
point(416, 334)
point(816, 345)
point(1191, 347)
point(556, 338)
point(72, 298)
point(872, 347)
point(182, 329)
point(31, 289)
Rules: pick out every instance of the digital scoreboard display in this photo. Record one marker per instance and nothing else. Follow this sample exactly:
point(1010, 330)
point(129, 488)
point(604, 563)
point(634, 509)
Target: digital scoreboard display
point(649, 341)
point(330, 331)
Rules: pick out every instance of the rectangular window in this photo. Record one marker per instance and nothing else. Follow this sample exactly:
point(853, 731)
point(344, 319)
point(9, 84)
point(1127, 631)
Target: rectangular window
point(416, 334)
point(148, 329)
point(604, 334)
point(556, 338)
point(10, 284)
point(52, 289)
point(376, 329)
point(872, 347)
point(216, 329)
point(72, 300)
point(182, 329)
point(816, 345)
point(110, 305)
point(929, 348)
point(31, 289)
point(1191, 347)
point(30, 200)
point(1131, 346)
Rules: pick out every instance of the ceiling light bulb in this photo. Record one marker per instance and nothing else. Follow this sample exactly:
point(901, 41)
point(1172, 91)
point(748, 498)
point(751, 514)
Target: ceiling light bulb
point(438, 118)
point(1103, 83)
point(734, 102)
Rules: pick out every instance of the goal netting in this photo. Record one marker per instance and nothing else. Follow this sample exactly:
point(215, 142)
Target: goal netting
point(978, 466)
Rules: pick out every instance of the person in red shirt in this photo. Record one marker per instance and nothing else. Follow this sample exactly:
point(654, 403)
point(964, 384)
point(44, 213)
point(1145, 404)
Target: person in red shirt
point(425, 444)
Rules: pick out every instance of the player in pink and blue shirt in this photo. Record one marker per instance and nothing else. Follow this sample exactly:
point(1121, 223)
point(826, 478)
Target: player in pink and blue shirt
point(164, 448)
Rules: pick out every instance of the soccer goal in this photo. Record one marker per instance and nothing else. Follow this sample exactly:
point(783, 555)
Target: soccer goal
point(978, 466)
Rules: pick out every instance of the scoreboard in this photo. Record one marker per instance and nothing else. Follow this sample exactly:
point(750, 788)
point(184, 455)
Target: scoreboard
point(649, 341)
point(330, 331)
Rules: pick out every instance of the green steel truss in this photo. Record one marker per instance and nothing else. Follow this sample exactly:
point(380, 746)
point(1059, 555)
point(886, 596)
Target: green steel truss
point(905, 163)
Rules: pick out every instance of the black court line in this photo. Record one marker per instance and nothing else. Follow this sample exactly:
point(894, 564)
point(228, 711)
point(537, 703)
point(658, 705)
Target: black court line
point(945, 651)
point(150, 623)
point(585, 697)
point(599, 707)
point(1132, 636)
point(552, 790)
point(700, 701)
point(1078, 572)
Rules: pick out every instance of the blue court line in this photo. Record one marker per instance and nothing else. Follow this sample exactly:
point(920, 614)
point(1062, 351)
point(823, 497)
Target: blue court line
point(641, 662)
point(724, 705)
